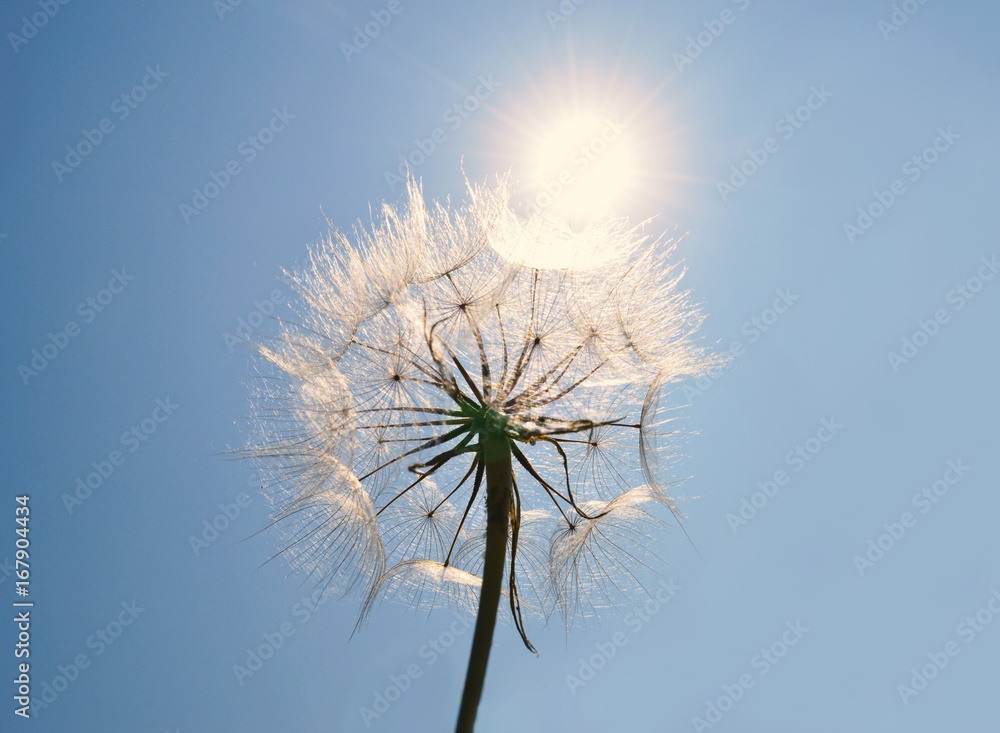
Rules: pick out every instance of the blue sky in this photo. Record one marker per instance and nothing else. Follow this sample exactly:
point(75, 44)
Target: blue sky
point(854, 109)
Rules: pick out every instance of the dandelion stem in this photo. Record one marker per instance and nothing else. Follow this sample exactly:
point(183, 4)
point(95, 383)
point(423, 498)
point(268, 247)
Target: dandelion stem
point(499, 475)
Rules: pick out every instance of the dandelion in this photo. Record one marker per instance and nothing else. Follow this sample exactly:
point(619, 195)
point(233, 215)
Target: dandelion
point(449, 425)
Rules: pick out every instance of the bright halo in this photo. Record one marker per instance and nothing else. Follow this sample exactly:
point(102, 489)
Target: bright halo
point(575, 173)
point(579, 168)
point(583, 148)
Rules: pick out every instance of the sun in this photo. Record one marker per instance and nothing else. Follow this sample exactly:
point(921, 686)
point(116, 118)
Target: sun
point(581, 167)
point(584, 145)
point(577, 170)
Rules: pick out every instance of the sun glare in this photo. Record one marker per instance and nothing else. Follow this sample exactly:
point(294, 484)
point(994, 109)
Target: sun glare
point(559, 247)
point(580, 167)
point(583, 146)
point(575, 172)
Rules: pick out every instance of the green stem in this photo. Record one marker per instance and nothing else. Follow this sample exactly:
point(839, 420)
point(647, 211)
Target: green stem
point(496, 453)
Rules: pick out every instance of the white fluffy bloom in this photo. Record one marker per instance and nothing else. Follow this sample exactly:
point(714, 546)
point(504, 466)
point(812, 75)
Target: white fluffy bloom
point(415, 340)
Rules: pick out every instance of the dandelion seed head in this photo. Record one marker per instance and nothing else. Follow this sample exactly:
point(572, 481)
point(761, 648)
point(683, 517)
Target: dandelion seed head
point(423, 335)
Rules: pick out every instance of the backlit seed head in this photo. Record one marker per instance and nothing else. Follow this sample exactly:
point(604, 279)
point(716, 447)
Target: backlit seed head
point(416, 342)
